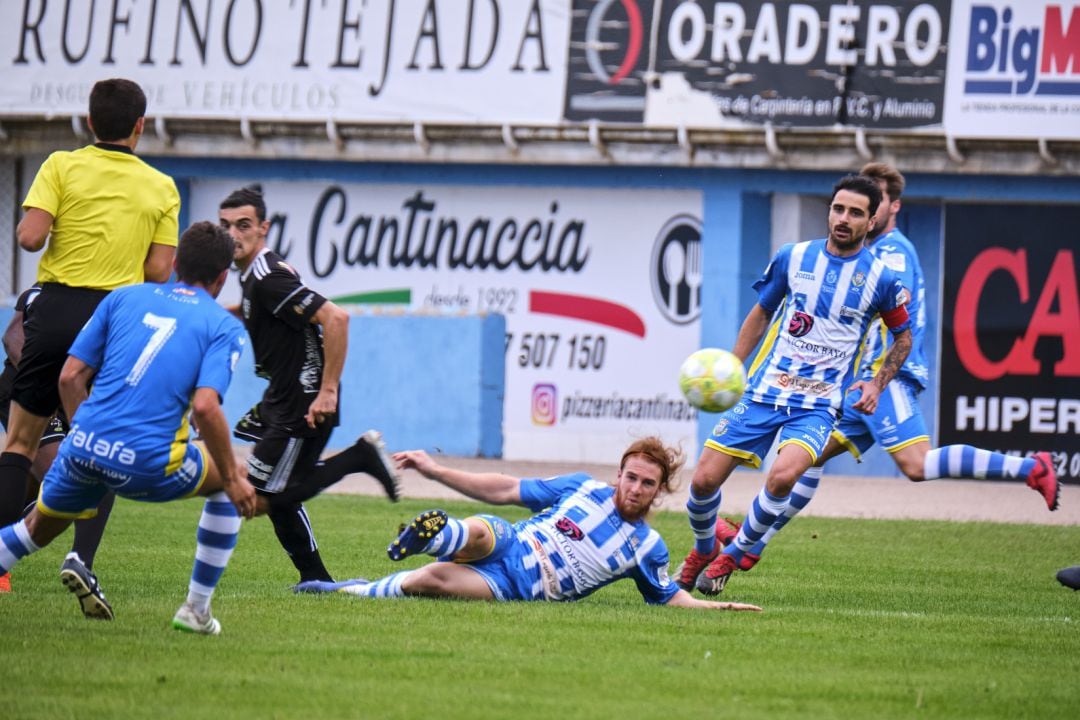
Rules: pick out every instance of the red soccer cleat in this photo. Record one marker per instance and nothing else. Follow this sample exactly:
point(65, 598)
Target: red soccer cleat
point(1043, 479)
point(5, 583)
point(726, 530)
point(748, 561)
point(715, 577)
point(687, 573)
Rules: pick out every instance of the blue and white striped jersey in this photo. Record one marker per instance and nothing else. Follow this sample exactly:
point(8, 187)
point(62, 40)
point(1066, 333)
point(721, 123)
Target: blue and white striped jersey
point(898, 254)
point(822, 307)
point(580, 542)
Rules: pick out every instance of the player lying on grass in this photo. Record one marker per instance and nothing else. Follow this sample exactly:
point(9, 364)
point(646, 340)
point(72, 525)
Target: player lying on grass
point(585, 535)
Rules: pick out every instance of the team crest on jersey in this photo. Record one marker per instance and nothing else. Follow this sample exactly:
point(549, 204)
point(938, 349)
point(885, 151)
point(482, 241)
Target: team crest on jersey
point(858, 279)
point(569, 528)
point(721, 427)
point(800, 324)
point(831, 277)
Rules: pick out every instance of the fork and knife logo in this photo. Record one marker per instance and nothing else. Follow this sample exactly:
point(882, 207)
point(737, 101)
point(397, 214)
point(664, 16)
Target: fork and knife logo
point(677, 269)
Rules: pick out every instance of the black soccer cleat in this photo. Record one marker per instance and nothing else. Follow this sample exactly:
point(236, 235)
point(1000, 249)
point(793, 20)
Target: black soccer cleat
point(78, 579)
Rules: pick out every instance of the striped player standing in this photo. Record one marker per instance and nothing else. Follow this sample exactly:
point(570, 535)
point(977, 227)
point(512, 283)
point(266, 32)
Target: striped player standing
point(898, 425)
point(816, 302)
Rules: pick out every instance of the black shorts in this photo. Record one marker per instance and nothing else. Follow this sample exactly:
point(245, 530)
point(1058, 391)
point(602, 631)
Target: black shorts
point(54, 432)
point(58, 314)
point(279, 457)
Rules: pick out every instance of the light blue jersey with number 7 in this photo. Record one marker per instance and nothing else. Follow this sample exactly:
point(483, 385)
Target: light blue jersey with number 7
point(152, 346)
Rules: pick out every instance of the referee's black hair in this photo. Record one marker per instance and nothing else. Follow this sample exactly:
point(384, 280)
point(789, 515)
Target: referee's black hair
point(861, 185)
point(115, 106)
point(205, 249)
point(250, 195)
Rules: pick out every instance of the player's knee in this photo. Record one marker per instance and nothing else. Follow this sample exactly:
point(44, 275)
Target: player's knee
point(480, 543)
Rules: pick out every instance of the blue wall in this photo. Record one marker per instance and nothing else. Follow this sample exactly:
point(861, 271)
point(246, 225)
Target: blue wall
point(429, 382)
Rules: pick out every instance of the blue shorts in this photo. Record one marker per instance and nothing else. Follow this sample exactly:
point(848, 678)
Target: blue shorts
point(504, 569)
point(75, 483)
point(897, 423)
point(747, 430)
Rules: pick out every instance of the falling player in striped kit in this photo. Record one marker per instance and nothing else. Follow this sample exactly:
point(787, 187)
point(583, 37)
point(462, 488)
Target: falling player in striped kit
point(817, 300)
point(898, 424)
point(586, 534)
point(154, 353)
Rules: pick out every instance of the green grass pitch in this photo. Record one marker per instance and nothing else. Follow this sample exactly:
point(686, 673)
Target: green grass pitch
point(864, 619)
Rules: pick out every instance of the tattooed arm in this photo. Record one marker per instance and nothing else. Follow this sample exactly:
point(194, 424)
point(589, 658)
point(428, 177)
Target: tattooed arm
point(893, 361)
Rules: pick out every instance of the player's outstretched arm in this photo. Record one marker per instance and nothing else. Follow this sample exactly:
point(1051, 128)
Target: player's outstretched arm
point(686, 600)
point(494, 488)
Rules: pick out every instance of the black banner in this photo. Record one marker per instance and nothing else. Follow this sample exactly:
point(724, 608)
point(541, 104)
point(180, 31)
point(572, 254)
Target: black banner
point(791, 62)
point(1010, 346)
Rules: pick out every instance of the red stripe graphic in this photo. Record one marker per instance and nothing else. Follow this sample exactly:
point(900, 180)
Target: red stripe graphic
point(581, 307)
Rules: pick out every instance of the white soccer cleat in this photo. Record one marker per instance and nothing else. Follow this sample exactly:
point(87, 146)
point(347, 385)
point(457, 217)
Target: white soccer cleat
point(188, 620)
point(384, 471)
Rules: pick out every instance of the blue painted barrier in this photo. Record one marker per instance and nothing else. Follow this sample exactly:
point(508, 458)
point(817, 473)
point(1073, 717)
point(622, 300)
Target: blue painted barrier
point(433, 382)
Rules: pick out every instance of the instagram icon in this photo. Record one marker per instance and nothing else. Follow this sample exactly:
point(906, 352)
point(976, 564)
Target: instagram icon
point(544, 404)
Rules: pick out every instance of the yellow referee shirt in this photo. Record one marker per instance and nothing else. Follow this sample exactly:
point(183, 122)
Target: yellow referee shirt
point(107, 207)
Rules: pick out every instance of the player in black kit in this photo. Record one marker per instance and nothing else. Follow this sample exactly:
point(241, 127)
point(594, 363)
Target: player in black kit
point(299, 339)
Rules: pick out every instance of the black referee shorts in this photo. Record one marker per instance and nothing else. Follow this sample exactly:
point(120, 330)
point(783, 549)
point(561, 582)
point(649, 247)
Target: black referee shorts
point(53, 322)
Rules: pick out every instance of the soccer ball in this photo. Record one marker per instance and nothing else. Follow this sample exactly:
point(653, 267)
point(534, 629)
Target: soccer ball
point(712, 379)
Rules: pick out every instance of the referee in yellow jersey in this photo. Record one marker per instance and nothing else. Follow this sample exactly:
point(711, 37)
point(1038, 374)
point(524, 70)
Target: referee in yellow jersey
point(106, 219)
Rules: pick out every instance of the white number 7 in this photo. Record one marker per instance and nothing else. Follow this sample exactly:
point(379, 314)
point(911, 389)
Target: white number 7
point(163, 328)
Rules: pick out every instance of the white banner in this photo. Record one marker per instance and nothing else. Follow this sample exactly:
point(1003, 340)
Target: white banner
point(428, 60)
point(600, 288)
point(1014, 70)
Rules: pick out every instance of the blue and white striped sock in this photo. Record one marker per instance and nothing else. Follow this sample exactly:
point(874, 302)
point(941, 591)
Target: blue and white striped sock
point(387, 587)
point(702, 513)
point(763, 513)
point(800, 497)
point(449, 540)
point(216, 537)
point(15, 544)
point(965, 461)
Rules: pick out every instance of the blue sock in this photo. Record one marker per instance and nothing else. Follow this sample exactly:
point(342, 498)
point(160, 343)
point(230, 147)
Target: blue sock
point(449, 540)
point(216, 537)
point(702, 513)
point(763, 513)
point(965, 461)
point(800, 497)
point(15, 544)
